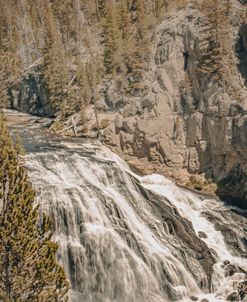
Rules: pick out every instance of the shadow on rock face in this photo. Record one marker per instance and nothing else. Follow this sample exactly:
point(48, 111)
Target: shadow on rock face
point(232, 188)
point(30, 96)
point(241, 48)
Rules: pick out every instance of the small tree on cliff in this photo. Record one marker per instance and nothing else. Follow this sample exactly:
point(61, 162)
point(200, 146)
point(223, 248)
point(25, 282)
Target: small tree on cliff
point(28, 268)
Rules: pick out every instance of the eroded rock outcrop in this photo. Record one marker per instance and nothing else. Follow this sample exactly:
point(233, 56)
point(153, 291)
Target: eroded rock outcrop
point(170, 129)
point(30, 95)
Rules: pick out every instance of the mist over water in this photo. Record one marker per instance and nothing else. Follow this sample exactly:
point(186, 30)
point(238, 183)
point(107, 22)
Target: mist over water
point(126, 238)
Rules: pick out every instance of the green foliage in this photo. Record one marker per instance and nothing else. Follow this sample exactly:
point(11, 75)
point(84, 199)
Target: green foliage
point(84, 83)
point(64, 12)
point(55, 71)
point(218, 58)
point(111, 39)
point(9, 72)
point(62, 30)
point(28, 268)
point(142, 18)
point(126, 39)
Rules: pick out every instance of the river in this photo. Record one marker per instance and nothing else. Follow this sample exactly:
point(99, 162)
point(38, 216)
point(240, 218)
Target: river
point(127, 238)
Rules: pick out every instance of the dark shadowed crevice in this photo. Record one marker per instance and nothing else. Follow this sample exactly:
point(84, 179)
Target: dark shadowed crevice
point(241, 48)
point(230, 189)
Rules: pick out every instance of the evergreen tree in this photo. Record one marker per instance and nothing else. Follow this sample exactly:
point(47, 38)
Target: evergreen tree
point(218, 59)
point(140, 45)
point(55, 71)
point(9, 72)
point(142, 19)
point(127, 43)
point(101, 8)
point(111, 38)
point(84, 84)
point(63, 11)
point(124, 18)
point(28, 268)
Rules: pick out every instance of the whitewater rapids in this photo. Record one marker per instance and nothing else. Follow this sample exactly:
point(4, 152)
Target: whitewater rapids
point(126, 238)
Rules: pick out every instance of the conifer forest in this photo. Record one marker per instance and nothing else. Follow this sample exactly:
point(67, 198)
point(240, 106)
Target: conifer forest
point(123, 150)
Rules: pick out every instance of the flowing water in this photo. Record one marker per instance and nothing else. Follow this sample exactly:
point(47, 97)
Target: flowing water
point(126, 238)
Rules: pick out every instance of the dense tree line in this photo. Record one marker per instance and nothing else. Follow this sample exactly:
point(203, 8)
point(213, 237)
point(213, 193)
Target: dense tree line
point(85, 41)
point(28, 267)
point(61, 31)
point(9, 71)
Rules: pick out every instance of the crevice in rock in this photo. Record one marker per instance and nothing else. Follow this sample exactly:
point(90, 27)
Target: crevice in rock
point(230, 189)
point(186, 60)
point(241, 48)
point(30, 96)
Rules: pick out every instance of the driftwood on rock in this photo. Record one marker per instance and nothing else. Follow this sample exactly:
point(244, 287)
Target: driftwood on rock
point(72, 126)
point(24, 71)
point(65, 129)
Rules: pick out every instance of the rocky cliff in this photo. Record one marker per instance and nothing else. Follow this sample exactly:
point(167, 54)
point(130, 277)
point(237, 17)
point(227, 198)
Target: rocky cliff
point(173, 129)
point(182, 123)
point(30, 95)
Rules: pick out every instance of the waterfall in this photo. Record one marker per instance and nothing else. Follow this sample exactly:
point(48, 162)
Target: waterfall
point(127, 238)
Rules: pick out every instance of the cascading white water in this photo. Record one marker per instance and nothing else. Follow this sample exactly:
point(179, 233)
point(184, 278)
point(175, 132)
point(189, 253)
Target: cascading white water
point(126, 238)
point(193, 208)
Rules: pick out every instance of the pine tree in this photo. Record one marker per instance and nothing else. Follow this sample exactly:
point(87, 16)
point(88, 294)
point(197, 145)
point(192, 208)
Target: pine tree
point(111, 38)
point(55, 71)
point(101, 8)
point(142, 18)
point(10, 34)
point(126, 37)
point(84, 84)
point(9, 72)
point(124, 22)
point(218, 59)
point(28, 268)
point(63, 11)
point(140, 46)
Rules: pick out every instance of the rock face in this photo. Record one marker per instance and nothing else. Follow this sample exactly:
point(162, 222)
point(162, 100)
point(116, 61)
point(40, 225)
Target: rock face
point(182, 122)
point(203, 132)
point(30, 96)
